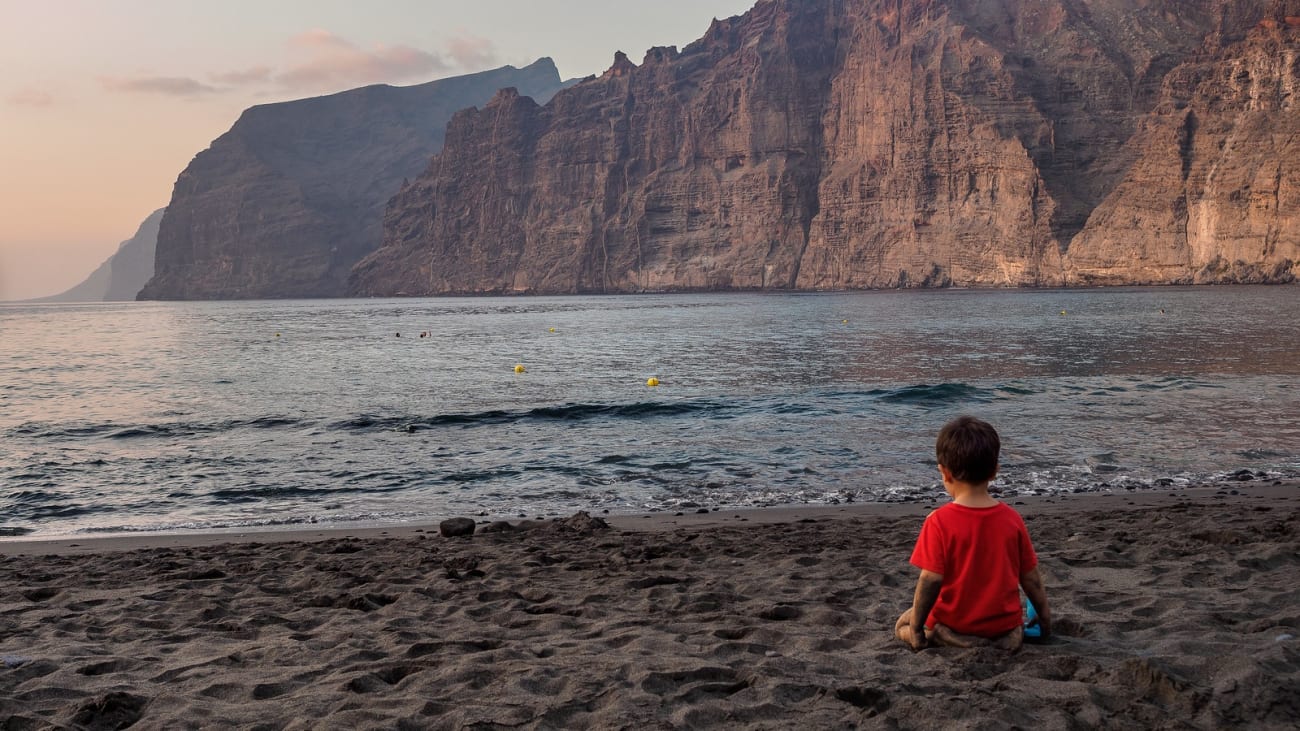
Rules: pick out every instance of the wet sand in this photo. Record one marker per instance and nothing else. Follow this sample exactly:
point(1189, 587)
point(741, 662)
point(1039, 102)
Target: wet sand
point(1174, 610)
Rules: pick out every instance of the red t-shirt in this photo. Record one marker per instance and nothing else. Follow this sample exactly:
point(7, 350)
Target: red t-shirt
point(981, 553)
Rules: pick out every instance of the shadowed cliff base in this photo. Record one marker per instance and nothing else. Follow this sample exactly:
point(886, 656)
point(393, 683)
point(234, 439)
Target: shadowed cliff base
point(841, 144)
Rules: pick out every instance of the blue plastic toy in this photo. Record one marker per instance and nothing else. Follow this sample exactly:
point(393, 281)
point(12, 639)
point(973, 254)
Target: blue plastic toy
point(1030, 615)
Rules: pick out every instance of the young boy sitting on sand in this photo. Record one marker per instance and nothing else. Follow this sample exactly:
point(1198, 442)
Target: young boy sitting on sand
point(974, 554)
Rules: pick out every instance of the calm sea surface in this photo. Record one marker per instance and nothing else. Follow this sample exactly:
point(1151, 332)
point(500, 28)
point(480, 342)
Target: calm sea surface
point(178, 416)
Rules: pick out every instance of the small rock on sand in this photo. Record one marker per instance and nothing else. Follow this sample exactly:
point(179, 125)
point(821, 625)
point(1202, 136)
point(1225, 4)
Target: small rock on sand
point(457, 527)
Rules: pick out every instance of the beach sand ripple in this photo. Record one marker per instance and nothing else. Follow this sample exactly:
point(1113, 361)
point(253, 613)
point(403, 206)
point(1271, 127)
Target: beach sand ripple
point(1177, 615)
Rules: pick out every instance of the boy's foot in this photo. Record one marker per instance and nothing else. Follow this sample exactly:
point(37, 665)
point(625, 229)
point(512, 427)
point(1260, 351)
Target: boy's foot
point(1010, 642)
point(945, 635)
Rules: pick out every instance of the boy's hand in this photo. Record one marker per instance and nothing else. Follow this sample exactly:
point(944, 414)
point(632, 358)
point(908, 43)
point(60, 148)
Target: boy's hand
point(917, 639)
point(1032, 582)
point(1044, 627)
point(928, 585)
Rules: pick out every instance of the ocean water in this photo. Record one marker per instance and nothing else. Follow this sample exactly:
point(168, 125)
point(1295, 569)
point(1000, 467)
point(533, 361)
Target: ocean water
point(201, 416)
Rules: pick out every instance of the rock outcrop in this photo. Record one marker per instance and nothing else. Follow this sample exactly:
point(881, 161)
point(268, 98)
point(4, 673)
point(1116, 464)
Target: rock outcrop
point(1214, 194)
point(829, 144)
point(122, 275)
point(288, 200)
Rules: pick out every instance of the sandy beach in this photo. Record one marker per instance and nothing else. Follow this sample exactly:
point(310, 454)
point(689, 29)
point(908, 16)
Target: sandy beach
point(1174, 610)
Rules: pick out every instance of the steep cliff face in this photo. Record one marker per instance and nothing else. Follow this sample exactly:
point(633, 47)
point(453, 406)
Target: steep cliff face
point(1214, 195)
point(287, 201)
point(122, 275)
point(658, 176)
point(825, 144)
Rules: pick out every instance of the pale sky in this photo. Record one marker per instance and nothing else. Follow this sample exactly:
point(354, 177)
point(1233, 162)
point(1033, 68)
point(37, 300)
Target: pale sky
point(104, 102)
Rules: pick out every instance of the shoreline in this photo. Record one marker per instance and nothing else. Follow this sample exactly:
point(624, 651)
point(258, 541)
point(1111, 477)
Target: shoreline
point(1063, 287)
point(647, 521)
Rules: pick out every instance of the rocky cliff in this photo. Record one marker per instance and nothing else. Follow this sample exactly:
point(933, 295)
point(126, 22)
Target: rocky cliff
point(1214, 193)
point(122, 275)
point(825, 144)
point(288, 200)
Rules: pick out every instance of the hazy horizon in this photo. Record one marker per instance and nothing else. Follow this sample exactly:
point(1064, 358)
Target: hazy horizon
point(104, 106)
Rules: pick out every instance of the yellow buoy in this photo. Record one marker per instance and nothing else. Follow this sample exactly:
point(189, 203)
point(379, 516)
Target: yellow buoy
point(277, 335)
point(845, 322)
point(1062, 312)
point(519, 368)
point(652, 382)
point(552, 329)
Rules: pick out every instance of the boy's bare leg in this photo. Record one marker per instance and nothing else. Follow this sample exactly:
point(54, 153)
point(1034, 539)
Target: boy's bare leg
point(944, 635)
point(939, 634)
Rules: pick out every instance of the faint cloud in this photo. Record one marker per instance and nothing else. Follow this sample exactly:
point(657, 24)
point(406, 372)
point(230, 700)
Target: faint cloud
point(320, 61)
point(472, 52)
point(30, 97)
point(165, 85)
point(330, 62)
point(254, 75)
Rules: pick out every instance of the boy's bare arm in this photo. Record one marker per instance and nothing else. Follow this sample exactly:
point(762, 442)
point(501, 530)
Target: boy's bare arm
point(928, 585)
point(1032, 582)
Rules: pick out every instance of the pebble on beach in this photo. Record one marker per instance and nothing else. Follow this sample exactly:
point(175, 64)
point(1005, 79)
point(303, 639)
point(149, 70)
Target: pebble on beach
point(455, 527)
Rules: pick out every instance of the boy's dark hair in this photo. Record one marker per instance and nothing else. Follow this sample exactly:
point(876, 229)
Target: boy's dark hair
point(969, 448)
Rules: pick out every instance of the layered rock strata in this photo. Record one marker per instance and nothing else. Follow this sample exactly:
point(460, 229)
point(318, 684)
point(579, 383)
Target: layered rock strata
point(828, 144)
point(288, 200)
point(1214, 194)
